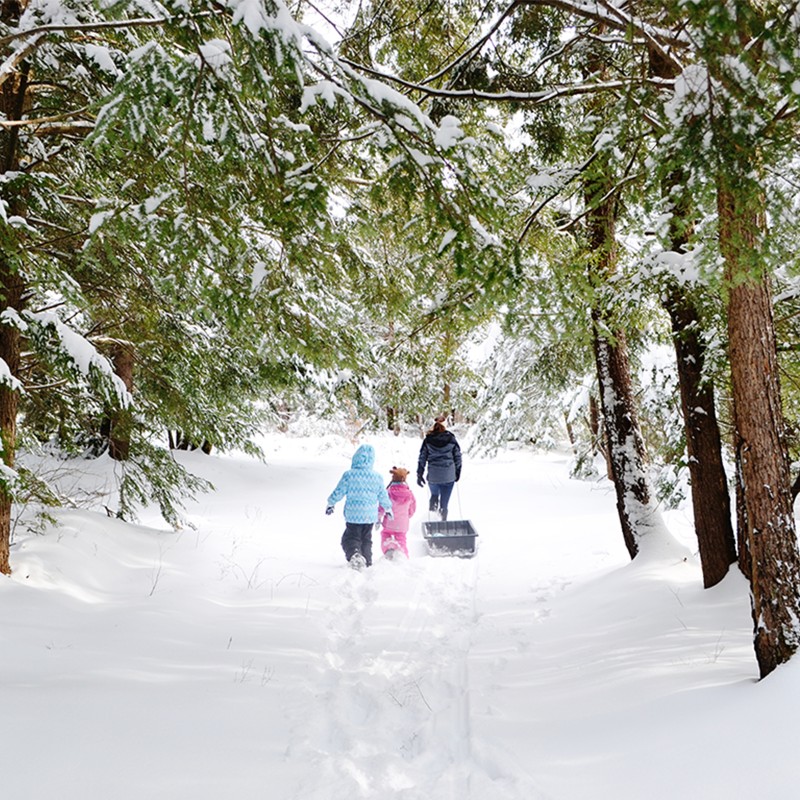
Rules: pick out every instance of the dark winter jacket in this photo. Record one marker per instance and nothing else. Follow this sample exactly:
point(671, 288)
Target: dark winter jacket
point(363, 489)
point(442, 454)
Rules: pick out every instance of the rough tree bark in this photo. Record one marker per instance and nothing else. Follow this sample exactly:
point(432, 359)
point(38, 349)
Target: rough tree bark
point(742, 536)
point(626, 454)
point(121, 419)
point(12, 289)
point(711, 501)
point(13, 98)
point(760, 427)
point(625, 444)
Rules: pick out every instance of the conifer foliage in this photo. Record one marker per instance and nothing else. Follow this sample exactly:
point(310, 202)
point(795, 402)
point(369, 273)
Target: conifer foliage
point(662, 102)
point(171, 257)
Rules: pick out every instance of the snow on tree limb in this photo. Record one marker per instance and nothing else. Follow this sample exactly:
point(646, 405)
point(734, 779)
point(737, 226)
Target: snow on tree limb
point(81, 353)
point(7, 379)
point(87, 27)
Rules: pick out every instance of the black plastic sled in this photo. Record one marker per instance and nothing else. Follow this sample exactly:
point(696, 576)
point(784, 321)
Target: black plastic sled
point(450, 538)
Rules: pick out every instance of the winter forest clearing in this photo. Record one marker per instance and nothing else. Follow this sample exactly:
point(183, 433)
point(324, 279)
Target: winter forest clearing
point(239, 238)
point(244, 659)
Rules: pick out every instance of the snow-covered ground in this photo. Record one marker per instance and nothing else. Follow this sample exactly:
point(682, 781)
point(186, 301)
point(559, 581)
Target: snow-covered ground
point(243, 659)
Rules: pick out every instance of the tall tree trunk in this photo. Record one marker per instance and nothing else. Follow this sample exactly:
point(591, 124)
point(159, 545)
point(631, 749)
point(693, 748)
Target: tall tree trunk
point(627, 460)
point(760, 427)
point(625, 445)
point(121, 419)
point(711, 500)
point(12, 289)
point(626, 454)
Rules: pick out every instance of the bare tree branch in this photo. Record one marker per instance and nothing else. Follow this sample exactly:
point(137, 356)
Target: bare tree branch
point(8, 124)
point(473, 50)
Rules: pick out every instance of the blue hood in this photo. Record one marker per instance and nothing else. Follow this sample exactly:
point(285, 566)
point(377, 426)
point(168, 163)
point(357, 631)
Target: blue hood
point(364, 457)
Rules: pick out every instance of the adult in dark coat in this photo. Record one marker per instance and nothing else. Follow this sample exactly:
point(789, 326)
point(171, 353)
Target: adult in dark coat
point(442, 454)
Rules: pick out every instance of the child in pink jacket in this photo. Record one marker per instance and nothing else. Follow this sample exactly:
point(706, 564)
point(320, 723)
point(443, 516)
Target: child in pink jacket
point(393, 534)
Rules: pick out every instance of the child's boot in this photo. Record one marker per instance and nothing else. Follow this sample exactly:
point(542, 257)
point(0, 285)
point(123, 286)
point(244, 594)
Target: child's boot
point(357, 561)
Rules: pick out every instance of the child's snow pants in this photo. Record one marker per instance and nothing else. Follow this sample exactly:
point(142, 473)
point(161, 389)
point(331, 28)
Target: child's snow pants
point(357, 538)
point(398, 536)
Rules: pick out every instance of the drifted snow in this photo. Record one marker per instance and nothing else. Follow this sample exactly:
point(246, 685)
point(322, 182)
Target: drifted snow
point(243, 659)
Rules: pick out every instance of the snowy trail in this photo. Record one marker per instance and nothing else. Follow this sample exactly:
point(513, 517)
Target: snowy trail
point(242, 658)
point(393, 716)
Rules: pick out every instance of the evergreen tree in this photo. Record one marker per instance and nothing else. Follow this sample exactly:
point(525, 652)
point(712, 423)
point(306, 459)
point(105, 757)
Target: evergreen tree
point(169, 195)
point(730, 69)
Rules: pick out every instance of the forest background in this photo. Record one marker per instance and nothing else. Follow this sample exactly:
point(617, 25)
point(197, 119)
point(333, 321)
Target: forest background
point(216, 214)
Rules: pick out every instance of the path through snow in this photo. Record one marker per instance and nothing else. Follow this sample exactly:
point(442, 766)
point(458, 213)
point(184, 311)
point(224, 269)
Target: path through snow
point(392, 716)
point(244, 659)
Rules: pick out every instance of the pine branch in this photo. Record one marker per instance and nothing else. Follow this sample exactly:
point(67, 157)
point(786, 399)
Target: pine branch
point(544, 203)
point(537, 98)
point(474, 49)
point(124, 24)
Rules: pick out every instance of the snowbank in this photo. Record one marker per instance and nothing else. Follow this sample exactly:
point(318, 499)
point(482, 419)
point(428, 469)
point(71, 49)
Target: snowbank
point(242, 658)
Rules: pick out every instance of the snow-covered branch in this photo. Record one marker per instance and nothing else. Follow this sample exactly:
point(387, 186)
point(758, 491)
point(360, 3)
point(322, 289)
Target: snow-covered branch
point(87, 27)
point(538, 98)
point(7, 124)
point(614, 17)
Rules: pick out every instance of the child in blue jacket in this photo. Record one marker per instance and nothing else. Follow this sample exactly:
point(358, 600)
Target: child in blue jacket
point(365, 492)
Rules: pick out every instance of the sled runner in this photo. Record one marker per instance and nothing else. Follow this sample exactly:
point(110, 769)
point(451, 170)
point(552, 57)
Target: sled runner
point(451, 538)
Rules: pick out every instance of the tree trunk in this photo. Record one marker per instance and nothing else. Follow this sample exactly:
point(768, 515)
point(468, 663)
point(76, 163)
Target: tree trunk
point(625, 445)
point(119, 436)
point(758, 416)
point(711, 500)
point(626, 455)
point(742, 540)
point(12, 290)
